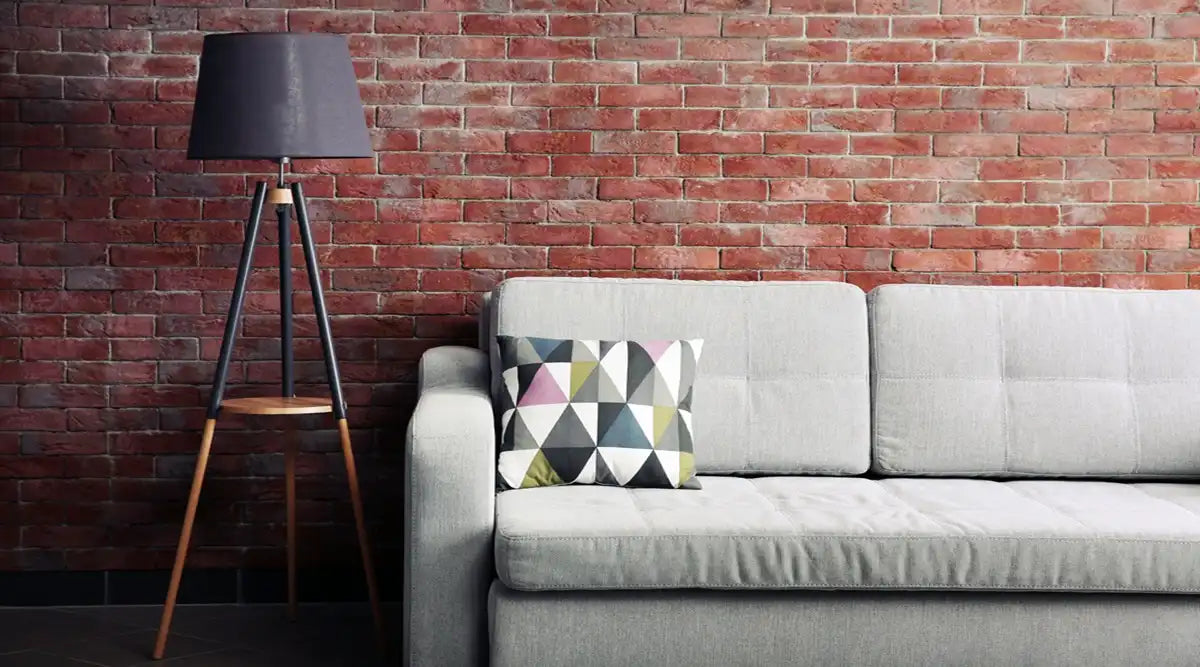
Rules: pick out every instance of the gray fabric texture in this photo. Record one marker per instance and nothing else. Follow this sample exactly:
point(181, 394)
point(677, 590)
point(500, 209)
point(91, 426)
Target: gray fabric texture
point(450, 467)
point(854, 533)
point(784, 383)
point(831, 629)
point(1032, 381)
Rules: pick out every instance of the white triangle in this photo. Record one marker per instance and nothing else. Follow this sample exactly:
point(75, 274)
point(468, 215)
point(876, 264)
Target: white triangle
point(668, 369)
point(624, 462)
point(589, 415)
point(539, 419)
point(644, 414)
point(561, 372)
point(592, 346)
point(670, 463)
point(616, 364)
point(588, 474)
point(686, 416)
point(513, 465)
point(511, 383)
point(505, 418)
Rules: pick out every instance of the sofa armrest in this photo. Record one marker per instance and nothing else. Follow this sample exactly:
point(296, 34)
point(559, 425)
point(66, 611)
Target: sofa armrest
point(450, 467)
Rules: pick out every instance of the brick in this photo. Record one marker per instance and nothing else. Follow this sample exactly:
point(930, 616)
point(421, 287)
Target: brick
point(933, 260)
point(679, 73)
point(677, 26)
point(797, 50)
point(1017, 260)
point(650, 257)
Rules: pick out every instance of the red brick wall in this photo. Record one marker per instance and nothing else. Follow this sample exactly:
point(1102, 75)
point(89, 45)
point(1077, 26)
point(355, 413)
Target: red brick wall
point(996, 141)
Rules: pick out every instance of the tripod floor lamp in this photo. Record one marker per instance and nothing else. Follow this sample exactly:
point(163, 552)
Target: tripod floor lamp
point(276, 96)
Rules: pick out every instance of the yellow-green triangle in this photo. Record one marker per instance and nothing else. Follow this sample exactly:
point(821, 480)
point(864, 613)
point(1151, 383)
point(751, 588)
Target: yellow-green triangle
point(540, 473)
point(687, 466)
point(580, 370)
point(662, 419)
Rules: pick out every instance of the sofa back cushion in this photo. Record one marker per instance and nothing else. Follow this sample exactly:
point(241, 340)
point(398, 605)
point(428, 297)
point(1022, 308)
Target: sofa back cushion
point(1035, 381)
point(783, 386)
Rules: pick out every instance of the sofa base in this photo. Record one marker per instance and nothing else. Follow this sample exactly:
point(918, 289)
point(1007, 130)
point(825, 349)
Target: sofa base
point(695, 628)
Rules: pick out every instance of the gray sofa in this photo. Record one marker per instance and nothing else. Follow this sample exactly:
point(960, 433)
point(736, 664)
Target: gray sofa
point(925, 475)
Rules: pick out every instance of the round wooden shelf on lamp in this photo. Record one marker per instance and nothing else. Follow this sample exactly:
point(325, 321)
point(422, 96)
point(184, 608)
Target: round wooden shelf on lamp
point(277, 405)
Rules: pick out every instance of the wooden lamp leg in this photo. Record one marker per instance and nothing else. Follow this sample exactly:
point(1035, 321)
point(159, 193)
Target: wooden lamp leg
point(164, 626)
point(214, 409)
point(335, 390)
point(361, 526)
point(289, 464)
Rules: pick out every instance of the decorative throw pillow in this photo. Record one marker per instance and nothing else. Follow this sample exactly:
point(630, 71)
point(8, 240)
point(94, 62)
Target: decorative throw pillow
point(596, 412)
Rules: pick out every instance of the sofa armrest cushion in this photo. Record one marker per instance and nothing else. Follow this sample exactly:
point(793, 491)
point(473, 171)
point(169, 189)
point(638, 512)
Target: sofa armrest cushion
point(450, 468)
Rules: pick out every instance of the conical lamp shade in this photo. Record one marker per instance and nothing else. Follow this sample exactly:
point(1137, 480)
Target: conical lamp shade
point(277, 95)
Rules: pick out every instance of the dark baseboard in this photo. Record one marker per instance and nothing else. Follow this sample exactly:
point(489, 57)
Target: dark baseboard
point(207, 586)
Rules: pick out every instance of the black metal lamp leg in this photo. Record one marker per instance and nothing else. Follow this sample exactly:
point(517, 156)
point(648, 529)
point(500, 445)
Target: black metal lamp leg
point(339, 403)
point(236, 301)
point(285, 298)
point(318, 296)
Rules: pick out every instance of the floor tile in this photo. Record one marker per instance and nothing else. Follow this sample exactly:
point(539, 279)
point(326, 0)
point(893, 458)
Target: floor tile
point(130, 648)
point(323, 635)
point(40, 659)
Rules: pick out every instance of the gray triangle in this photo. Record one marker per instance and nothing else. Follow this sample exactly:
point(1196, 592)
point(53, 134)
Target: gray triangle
point(569, 431)
point(643, 394)
point(603, 474)
point(607, 391)
point(683, 435)
point(580, 352)
point(526, 352)
point(670, 436)
point(517, 435)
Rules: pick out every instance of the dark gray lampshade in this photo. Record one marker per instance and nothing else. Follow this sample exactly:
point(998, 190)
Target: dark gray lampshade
point(270, 95)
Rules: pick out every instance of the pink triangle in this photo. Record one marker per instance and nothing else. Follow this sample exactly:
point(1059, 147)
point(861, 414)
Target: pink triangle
point(656, 347)
point(542, 390)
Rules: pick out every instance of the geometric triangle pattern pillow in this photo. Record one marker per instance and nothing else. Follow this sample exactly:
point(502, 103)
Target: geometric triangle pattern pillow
point(596, 412)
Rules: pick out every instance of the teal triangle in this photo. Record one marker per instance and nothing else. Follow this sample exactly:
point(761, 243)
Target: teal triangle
point(562, 352)
point(619, 428)
point(544, 347)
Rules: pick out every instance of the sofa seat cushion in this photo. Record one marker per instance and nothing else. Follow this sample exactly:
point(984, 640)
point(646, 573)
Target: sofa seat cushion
point(853, 533)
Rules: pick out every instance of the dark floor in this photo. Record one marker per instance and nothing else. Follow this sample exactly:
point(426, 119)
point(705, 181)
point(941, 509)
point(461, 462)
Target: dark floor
point(325, 635)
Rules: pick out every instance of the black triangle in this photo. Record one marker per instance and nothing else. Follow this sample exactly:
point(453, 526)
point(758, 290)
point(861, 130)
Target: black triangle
point(562, 352)
point(651, 476)
point(639, 366)
point(568, 462)
point(525, 373)
point(603, 474)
